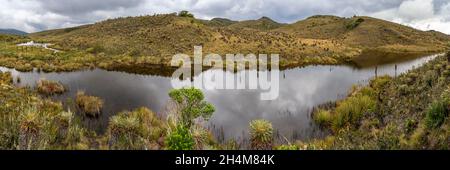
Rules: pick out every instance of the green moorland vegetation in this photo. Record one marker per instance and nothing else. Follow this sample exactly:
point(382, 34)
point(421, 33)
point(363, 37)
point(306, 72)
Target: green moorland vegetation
point(407, 112)
point(131, 42)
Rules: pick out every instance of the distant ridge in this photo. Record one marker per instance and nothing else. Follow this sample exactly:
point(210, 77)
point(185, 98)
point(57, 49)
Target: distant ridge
point(12, 32)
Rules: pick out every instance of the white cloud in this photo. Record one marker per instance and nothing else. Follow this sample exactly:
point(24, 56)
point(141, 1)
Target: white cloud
point(420, 14)
point(416, 9)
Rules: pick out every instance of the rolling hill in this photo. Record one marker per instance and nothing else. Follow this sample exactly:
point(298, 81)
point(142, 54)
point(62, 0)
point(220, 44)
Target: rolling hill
point(367, 32)
point(315, 40)
point(12, 32)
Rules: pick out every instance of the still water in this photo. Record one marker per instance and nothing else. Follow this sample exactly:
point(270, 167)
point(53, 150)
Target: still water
point(301, 89)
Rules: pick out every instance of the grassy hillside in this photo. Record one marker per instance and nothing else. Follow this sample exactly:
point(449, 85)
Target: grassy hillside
point(367, 32)
point(315, 40)
point(406, 112)
point(162, 36)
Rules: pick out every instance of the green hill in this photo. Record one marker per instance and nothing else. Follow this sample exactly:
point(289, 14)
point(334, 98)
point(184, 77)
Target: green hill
point(315, 40)
point(367, 32)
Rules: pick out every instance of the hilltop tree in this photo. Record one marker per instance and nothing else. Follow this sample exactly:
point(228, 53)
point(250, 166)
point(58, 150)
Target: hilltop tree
point(185, 14)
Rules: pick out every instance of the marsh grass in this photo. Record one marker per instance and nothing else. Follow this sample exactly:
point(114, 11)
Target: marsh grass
point(89, 105)
point(49, 87)
point(139, 129)
point(261, 135)
point(323, 117)
point(351, 110)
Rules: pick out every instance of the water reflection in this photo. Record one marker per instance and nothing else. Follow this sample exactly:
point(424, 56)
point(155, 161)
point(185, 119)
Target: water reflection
point(301, 89)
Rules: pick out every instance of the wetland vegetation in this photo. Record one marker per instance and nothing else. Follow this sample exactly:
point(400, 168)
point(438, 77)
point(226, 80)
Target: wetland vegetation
point(406, 109)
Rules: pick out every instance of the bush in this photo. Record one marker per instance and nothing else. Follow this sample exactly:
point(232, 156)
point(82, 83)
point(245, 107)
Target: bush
point(190, 105)
point(185, 14)
point(49, 87)
point(89, 105)
point(436, 114)
point(180, 139)
point(261, 135)
point(350, 111)
point(354, 23)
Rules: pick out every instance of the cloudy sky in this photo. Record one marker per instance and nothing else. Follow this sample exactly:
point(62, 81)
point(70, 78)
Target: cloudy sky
point(37, 15)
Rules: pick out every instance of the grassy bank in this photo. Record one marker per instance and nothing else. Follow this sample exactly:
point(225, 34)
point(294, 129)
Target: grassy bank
point(407, 112)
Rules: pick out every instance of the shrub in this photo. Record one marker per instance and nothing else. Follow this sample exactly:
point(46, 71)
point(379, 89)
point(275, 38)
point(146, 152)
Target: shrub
point(49, 87)
point(261, 135)
point(180, 139)
point(350, 111)
point(436, 114)
point(190, 105)
point(322, 117)
point(354, 23)
point(89, 105)
point(185, 14)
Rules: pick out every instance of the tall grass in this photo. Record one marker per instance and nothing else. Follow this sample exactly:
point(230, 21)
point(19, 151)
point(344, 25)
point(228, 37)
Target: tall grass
point(139, 129)
point(351, 110)
point(89, 105)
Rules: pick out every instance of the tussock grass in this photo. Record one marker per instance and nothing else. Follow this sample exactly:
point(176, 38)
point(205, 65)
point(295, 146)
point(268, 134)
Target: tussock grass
point(139, 129)
point(89, 105)
point(323, 117)
point(261, 135)
point(49, 87)
point(351, 110)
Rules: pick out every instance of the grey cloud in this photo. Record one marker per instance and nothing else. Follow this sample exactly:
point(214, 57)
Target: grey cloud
point(80, 7)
